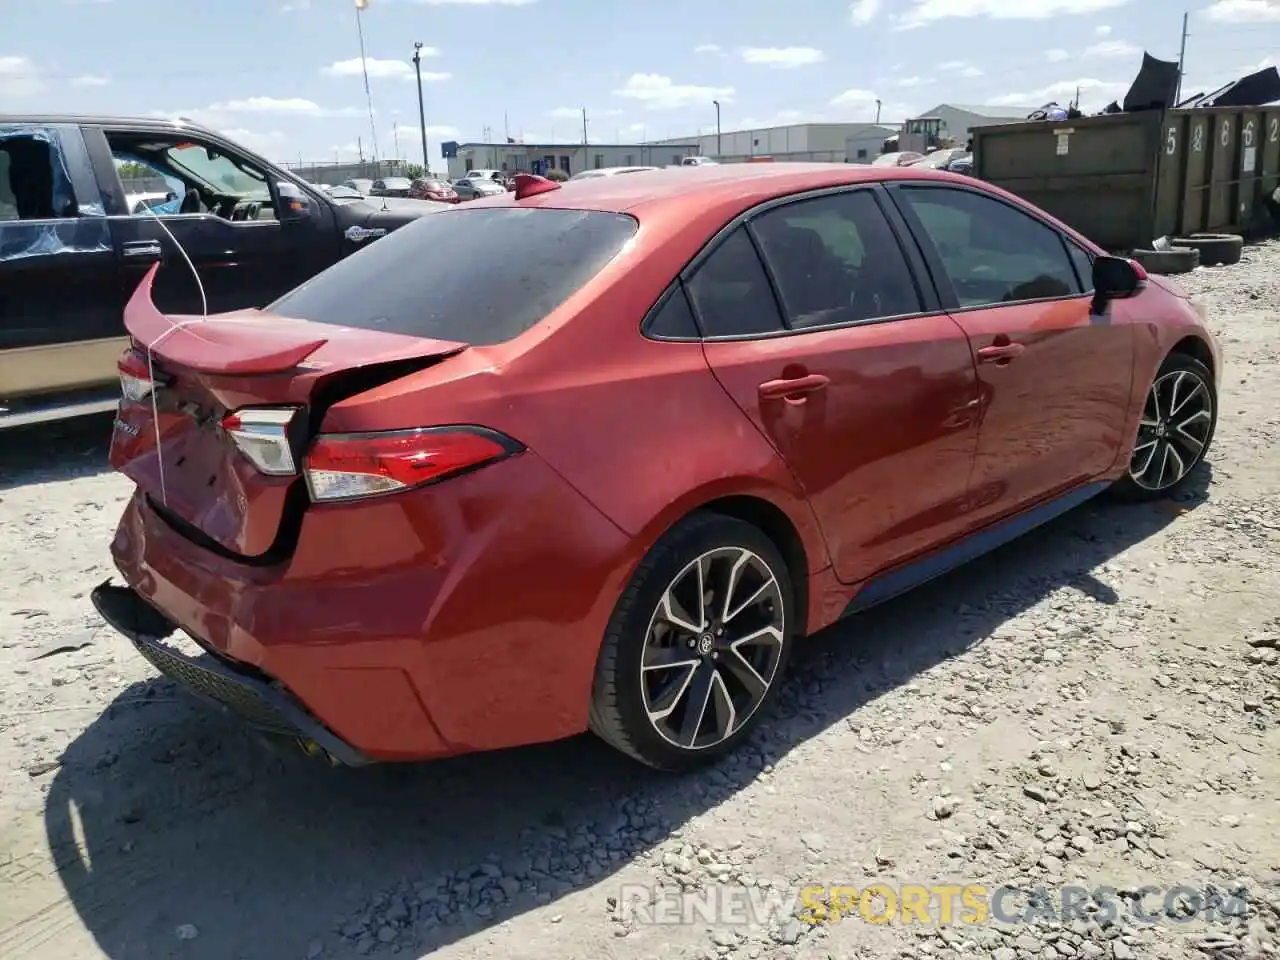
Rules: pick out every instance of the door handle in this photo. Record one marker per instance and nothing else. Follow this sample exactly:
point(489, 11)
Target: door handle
point(1000, 353)
point(795, 388)
point(142, 250)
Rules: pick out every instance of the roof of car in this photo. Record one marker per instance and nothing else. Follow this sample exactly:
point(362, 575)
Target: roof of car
point(751, 182)
point(150, 123)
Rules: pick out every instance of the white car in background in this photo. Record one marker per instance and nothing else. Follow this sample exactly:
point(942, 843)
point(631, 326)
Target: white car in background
point(608, 172)
point(698, 162)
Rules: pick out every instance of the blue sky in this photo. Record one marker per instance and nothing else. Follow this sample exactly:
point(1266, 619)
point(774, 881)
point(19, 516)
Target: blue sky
point(283, 76)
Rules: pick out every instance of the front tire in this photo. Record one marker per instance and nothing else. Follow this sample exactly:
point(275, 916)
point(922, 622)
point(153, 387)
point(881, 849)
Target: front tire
point(1179, 418)
point(696, 646)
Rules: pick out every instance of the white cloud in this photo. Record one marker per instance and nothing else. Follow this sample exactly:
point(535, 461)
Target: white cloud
point(709, 48)
point(269, 145)
point(384, 69)
point(1112, 48)
point(90, 80)
point(1243, 11)
point(960, 67)
point(476, 3)
point(1092, 91)
point(915, 81)
point(296, 106)
point(925, 12)
point(862, 12)
point(440, 131)
point(1057, 55)
point(1102, 30)
point(657, 92)
point(19, 78)
point(782, 57)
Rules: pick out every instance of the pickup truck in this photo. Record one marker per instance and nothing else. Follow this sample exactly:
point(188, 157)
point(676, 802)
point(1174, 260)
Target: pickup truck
point(73, 246)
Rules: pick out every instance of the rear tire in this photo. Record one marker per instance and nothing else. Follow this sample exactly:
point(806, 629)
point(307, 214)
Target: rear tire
point(1179, 417)
point(675, 687)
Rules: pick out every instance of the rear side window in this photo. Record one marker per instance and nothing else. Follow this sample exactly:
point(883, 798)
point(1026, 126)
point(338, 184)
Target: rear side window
point(731, 291)
point(473, 276)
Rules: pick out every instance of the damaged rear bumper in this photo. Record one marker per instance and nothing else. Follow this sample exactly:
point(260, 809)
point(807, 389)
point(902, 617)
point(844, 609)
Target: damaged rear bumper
point(250, 696)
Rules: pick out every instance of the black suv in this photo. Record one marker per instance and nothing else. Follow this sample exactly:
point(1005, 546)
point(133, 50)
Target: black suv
point(88, 204)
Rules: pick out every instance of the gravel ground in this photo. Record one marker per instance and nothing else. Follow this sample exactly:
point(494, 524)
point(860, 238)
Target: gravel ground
point(1093, 706)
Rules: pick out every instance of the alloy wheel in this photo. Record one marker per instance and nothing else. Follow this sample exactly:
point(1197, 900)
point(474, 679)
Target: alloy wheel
point(1174, 430)
point(712, 648)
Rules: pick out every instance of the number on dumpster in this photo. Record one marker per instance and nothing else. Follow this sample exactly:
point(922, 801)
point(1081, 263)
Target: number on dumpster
point(1226, 132)
point(1248, 134)
point(1275, 130)
point(1197, 138)
point(1171, 142)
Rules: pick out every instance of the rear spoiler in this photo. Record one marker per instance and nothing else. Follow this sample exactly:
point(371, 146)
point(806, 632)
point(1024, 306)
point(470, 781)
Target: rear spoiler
point(246, 343)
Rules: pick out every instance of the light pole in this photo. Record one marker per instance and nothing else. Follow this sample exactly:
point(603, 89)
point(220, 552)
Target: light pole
point(717, 103)
point(364, 67)
point(877, 111)
point(422, 115)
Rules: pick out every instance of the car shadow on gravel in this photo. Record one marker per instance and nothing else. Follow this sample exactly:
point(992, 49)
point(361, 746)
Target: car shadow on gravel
point(164, 814)
point(55, 451)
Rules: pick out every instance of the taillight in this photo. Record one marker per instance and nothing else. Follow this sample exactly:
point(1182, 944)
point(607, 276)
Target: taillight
point(353, 466)
point(137, 378)
point(263, 436)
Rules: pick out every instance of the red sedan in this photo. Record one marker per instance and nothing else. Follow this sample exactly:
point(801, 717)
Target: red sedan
point(421, 506)
point(425, 189)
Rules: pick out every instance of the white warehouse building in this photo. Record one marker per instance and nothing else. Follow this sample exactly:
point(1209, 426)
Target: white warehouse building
point(822, 142)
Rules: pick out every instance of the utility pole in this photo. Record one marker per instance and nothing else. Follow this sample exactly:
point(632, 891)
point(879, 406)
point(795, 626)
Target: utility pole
point(422, 115)
point(717, 103)
point(878, 105)
point(584, 126)
point(1182, 59)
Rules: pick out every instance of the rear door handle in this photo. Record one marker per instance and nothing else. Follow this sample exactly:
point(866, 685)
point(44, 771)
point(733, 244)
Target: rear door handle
point(142, 250)
point(1002, 353)
point(795, 388)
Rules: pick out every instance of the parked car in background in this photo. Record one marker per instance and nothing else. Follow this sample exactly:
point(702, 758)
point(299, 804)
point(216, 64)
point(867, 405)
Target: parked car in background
point(698, 162)
point(343, 193)
point(424, 189)
point(875, 374)
point(939, 159)
point(391, 187)
point(360, 185)
point(472, 188)
point(898, 158)
point(962, 164)
point(608, 172)
point(495, 175)
point(75, 245)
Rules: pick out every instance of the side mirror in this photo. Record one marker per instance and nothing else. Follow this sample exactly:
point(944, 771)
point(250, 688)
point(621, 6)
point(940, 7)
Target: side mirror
point(295, 205)
point(1115, 278)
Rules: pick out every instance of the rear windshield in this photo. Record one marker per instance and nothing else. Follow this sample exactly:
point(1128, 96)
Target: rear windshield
point(473, 276)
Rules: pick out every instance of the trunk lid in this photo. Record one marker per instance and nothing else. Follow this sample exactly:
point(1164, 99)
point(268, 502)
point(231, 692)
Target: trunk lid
point(172, 444)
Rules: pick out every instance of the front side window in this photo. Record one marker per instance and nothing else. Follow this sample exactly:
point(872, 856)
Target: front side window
point(190, 178)
point(836, 260)
point(1083, 261)
point(435, 278)
point(990, 252)
point(731, 292)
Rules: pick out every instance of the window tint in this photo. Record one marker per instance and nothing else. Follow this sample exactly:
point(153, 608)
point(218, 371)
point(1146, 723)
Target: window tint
point(674, 319)
point(836, 260)
point(991, 252)
point(731, 292)
point(1083, 261)
point(435, 277)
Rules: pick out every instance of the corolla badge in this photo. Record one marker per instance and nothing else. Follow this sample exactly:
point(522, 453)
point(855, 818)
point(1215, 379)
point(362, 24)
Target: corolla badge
point(360, 234)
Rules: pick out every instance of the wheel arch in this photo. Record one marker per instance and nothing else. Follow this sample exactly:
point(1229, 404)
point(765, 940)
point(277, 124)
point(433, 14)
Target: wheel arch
point(1196, 348)
point(786, 519)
